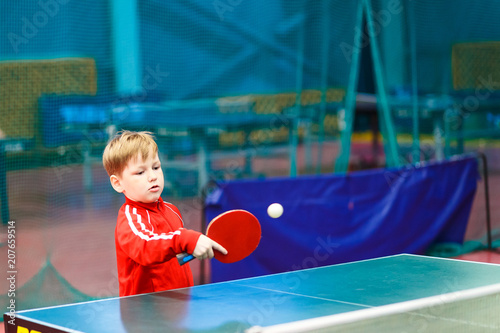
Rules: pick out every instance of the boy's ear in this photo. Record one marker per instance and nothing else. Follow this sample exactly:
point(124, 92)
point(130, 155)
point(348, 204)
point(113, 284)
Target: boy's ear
point(115, 182)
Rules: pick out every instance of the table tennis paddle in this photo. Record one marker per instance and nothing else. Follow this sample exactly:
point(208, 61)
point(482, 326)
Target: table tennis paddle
point(238, 231)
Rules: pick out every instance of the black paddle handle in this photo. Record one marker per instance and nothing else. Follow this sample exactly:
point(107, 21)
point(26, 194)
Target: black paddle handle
point(183, 258)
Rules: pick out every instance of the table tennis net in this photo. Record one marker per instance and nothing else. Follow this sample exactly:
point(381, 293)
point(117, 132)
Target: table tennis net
point(474, 310)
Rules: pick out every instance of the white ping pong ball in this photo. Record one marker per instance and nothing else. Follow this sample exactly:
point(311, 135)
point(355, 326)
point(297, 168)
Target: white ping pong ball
point(275, 210)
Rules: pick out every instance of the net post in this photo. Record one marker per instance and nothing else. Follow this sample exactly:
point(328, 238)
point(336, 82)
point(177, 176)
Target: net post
point(205, 190)
point(487, 198)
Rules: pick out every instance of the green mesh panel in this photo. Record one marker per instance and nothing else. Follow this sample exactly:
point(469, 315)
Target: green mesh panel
point(291, 60)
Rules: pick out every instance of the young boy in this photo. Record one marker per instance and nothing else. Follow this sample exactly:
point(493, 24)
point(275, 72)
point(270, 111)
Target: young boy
point(149, 232)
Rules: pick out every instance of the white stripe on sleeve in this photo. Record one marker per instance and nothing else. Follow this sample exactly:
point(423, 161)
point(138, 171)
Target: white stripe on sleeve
point(144, 233)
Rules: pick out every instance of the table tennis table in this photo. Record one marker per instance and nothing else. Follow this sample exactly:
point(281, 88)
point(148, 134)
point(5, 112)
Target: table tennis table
point(399, 293)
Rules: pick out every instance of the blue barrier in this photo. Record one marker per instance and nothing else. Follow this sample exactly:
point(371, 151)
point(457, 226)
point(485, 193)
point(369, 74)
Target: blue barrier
point(334, 219)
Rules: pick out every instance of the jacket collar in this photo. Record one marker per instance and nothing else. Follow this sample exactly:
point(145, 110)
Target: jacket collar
point(149, 206)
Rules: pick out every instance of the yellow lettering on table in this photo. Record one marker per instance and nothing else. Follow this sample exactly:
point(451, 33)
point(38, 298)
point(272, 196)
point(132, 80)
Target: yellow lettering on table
point(21, 329)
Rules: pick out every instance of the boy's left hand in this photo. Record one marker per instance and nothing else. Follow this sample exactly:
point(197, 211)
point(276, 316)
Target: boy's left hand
point(205, 248)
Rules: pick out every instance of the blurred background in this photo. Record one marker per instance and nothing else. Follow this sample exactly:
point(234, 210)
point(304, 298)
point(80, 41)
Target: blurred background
point(231, 89)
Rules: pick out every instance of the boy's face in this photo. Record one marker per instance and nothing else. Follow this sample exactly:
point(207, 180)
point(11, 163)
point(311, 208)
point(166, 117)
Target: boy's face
point(141, 180)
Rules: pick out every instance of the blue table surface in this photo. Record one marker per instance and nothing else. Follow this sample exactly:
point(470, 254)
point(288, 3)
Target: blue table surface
point(280, 298)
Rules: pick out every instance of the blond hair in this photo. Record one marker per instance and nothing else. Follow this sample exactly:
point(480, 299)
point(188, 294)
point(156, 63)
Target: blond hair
point(125, 146)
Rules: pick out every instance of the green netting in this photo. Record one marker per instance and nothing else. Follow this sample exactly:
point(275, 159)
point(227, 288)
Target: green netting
point(439, 65)
point(54, 288)
point(436, 69)
point(73, 73)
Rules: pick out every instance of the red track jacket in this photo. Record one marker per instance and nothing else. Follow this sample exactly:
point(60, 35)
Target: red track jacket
point(147, 237)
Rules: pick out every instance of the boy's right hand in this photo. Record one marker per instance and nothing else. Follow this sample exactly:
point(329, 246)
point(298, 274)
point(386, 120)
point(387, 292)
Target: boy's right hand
point(205, 248)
